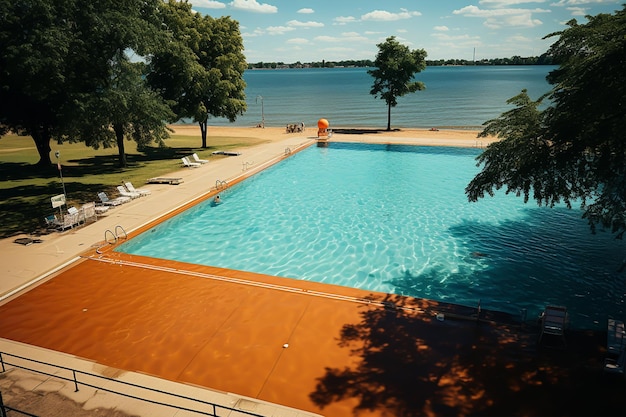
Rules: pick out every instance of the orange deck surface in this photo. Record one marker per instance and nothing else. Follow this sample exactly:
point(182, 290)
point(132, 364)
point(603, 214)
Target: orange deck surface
point(343, 357)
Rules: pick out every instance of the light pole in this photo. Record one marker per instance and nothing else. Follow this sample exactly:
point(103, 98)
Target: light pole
point(58, 155)
point(262, 111)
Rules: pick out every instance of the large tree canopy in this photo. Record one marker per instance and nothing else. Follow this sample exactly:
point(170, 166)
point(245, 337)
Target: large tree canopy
point(574, 151)
point(396, 66)
point(202, 68)
point(57, 54)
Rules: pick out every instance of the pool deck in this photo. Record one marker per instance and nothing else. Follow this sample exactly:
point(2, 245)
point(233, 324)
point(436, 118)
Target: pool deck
point(264, 344)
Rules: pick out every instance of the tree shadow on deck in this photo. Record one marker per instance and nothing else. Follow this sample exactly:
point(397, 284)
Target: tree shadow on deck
point(410, 364)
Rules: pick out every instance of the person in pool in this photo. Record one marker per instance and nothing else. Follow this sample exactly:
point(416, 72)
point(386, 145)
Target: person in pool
point(217, 199)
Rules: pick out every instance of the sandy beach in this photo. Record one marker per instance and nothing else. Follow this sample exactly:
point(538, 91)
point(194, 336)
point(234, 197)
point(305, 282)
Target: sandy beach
point(441, 137)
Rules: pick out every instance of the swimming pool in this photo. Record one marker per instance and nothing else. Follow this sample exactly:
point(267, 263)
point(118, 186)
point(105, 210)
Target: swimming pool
point(395, 219)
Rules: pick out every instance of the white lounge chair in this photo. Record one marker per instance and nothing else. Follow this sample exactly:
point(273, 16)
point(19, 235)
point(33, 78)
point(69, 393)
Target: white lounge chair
point(132, 189)
point(115, 202)
point(68, 221)
point(188, 163)
point(125, 193)
point(88, 212)
point(197, 159)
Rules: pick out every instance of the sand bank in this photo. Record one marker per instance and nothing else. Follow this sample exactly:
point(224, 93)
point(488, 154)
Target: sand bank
point(442, 137)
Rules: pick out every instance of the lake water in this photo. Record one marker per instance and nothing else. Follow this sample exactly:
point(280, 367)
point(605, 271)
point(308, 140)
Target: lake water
point(458, 97)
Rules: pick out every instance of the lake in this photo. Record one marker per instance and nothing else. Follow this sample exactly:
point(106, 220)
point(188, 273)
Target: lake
point(455, 97)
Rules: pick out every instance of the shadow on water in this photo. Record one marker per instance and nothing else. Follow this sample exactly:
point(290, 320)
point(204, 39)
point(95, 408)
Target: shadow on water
point(521, 266)
point(410, 364)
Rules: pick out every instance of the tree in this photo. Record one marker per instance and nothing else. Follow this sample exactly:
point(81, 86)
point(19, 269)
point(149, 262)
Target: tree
point(57, 58)
point(126, 109)
point(574, 150)
point(35, 38)
point(396, 66)
point(202, 69)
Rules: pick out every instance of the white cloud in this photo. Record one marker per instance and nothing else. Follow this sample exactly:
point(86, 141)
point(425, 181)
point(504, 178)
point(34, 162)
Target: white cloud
point(297, 23)
point(298, 41)
point(577, 11)
point(581, 2)
point(454, 38)
point(253, 6)
point(441, 28)
point(517, 39)
point(507, 3)
point(209, 4)
point(345, 37)
point(385, 16)
point(498, 18)
point(342, 20)
point(279, 30)
point(474, 11)
point(306, 10)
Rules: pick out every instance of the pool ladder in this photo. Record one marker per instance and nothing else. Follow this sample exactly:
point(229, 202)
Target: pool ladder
point(246, 165)
point(112, 237)
point(220, 184)
point(287, 151)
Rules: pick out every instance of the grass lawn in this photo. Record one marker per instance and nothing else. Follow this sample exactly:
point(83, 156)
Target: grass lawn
point(26, 189)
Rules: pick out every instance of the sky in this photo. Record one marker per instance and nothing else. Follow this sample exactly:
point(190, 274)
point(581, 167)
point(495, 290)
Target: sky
point(314, 30)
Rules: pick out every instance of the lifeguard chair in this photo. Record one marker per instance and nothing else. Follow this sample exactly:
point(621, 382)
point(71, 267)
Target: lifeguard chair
point(323, 132)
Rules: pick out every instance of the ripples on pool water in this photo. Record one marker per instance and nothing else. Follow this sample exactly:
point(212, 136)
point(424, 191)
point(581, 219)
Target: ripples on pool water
point(396, 219)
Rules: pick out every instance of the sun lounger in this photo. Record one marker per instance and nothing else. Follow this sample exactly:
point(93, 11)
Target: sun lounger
point(198, 160)
point(164, 180)
point(125, 193)
point(69, 219)
point(615, 366)
point(227, 153)
point(553, 321)
point(188, 163)
point(112, 202)
point(88, 212)
point(132, 189)
point(51, 221)
point(616, 337)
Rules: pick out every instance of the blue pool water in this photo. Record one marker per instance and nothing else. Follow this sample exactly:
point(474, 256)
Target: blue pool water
point(395, 219)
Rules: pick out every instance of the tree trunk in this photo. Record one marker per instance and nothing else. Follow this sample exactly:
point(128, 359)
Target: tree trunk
point(388, 117)
point(119, 136)
point(41, 137)
point(203, 132)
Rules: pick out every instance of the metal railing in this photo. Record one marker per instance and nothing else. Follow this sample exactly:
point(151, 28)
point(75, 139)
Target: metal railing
point(214, 408)
point(114, 236)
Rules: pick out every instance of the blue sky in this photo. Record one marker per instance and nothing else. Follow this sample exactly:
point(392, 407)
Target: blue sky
point(316, 30)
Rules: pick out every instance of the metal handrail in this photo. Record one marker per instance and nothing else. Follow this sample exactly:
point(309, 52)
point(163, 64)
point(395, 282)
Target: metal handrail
point(114, 235)
point(213, 413)
point(118, 227)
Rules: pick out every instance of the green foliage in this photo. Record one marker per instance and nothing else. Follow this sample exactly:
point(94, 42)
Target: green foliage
point(65, 71)
point(201, 68)
point(396, 66)
point(574, 150)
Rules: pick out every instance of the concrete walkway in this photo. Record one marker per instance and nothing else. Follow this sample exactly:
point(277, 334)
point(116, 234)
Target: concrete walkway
point(23, 267)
